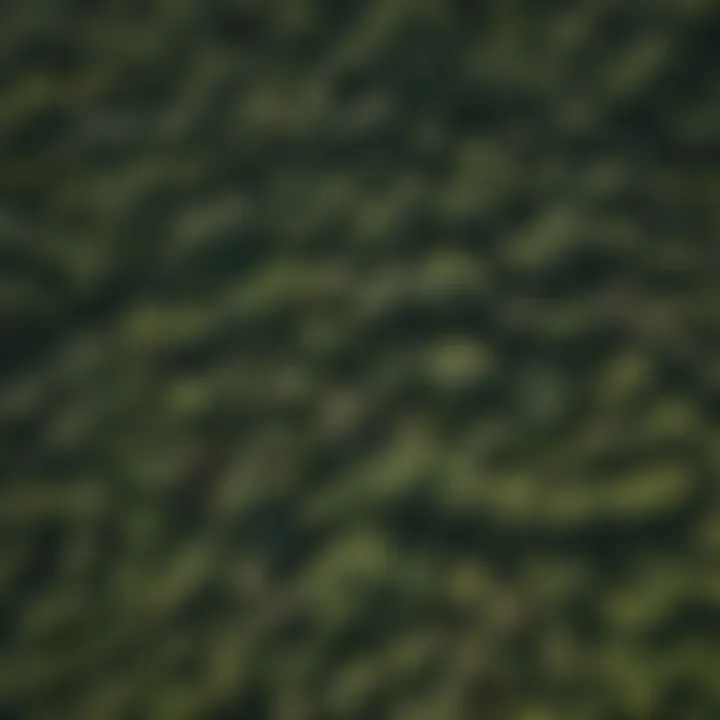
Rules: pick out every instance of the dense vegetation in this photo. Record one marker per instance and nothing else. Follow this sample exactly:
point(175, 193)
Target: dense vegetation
point(359, 359)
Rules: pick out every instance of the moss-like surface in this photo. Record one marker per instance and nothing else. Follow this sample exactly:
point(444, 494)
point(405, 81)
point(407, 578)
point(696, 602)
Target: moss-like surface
point(359, 360)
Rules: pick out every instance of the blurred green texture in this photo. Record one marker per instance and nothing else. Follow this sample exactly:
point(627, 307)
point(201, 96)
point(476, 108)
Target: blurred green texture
point(359, 360)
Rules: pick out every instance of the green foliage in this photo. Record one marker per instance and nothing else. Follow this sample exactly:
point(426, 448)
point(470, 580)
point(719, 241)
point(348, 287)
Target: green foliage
point(359, 360)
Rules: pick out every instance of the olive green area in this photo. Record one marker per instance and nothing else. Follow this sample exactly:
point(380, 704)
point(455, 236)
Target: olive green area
point(359, 360)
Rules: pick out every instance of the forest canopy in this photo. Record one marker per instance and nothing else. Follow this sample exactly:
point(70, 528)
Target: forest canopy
point(359, 360)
